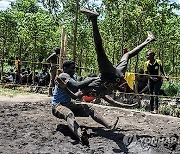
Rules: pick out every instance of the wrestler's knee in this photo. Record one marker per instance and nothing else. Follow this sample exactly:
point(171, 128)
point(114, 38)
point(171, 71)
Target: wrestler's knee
point(62, 112)
point(70, 115)
point(57, 114)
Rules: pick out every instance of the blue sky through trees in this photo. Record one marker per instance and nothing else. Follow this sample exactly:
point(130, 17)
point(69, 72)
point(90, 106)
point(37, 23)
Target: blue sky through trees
point(4, 4)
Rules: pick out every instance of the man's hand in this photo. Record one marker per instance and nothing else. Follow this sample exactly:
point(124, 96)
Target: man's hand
point(60, 83)
point(95, 83)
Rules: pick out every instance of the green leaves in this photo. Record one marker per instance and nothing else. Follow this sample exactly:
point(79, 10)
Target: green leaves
point(122, 23)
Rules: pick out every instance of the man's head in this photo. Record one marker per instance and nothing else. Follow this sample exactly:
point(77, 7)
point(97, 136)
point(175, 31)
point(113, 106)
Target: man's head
point(150, 55)
point(69, 67)
point(57, 50)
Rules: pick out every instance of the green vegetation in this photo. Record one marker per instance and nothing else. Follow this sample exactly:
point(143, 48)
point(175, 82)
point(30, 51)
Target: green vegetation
point(10, 92)
point(172, 88)
point(170, 110)
point(30, 31)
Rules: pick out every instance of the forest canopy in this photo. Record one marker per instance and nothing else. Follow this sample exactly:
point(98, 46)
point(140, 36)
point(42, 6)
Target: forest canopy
point(30, 29)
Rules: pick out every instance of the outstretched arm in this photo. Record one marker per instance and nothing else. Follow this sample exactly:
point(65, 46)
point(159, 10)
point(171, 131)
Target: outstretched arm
point(62, 84)
point(81, 84)
point(110, 100)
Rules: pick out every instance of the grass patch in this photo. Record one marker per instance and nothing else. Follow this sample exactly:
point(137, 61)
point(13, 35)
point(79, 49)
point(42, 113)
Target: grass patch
point(11, 92)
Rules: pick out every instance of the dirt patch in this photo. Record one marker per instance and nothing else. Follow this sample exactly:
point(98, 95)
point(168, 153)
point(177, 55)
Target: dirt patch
point(27, 126)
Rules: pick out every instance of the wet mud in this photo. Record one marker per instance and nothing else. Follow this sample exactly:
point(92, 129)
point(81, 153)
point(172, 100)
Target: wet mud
point(28, 127)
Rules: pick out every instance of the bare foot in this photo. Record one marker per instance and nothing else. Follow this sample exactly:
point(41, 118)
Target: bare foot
point(84, 137)
point(150, 36)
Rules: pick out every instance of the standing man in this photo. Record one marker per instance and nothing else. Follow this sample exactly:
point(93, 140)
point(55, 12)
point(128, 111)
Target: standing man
point(53, 59)
point(154, 68)
point(18, 64)
point(18, 69)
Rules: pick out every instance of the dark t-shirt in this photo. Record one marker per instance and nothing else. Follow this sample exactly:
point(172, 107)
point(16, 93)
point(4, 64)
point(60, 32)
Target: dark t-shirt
point(153, 69)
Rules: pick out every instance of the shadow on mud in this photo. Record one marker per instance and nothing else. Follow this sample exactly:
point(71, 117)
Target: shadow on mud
point(97, 132)
point(128, 144)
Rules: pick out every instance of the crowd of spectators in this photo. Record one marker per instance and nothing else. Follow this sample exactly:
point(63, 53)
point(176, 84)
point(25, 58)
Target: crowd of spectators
point(25, 77)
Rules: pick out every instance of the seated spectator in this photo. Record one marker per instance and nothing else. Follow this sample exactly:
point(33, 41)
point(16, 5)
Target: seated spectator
point(8, 77)
point(23, 75)
point(44, 79)
point(29, 76)
point(17, 77)
point(36, 78)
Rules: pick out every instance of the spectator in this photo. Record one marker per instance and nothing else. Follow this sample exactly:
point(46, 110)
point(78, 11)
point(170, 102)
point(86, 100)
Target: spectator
point(8, 77)
point(53, 59)
point(18, 64)
point(36, 78)
point(154, 68)
point(29, 76)
point(44, 79)
point(23, 75)
point(17, 77)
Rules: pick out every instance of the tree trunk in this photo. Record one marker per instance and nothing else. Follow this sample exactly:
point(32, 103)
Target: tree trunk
point(34, 64)
point(80, 63)
point(2, 56)
point(62, 49)
point(173, 58)
point(75, 31)
point(122, 41)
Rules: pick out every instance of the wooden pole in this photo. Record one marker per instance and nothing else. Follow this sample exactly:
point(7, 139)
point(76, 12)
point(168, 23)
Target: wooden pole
point(62, 49)
point(75, 31)
point(65, 47)
point(2, 56)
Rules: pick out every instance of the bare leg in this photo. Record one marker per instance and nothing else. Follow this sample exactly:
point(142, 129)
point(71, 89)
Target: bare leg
point(99, 119)
point(74, 127)
point(105, 66)
point(65, 113)
point(51, 84)
point(122, 66)
point(136, 50)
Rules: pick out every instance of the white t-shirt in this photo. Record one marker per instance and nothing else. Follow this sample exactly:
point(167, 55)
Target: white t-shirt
point(10, 77)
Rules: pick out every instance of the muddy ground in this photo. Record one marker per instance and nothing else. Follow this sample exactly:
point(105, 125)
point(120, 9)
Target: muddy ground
point(27, 126)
